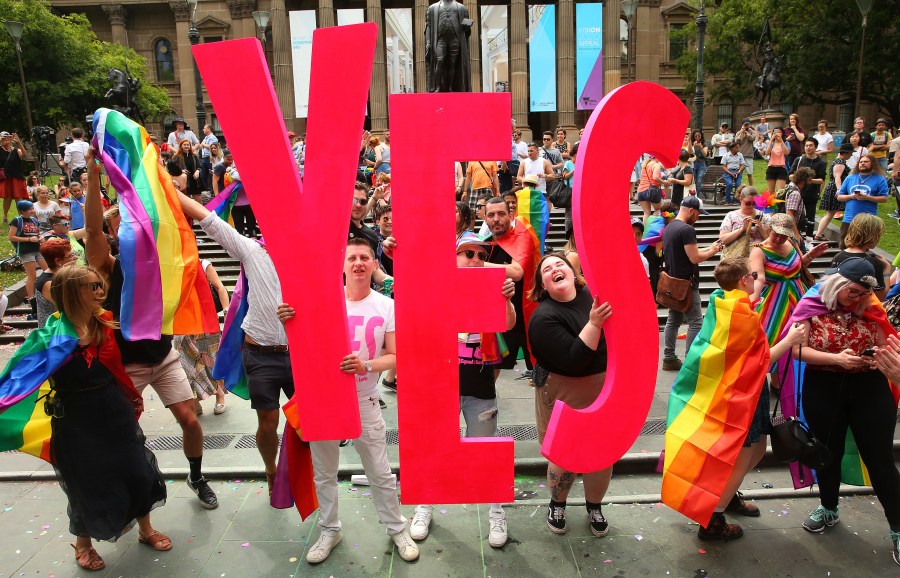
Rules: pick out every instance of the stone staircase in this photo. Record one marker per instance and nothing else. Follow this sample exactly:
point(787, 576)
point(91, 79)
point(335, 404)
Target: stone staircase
point(228, 268)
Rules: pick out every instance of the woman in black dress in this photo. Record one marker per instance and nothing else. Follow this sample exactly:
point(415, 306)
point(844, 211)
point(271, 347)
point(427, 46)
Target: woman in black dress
point(97, 448)
point(190, 165)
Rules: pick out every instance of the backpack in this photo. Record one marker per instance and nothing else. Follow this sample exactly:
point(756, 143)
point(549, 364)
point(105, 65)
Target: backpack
point(781, 196)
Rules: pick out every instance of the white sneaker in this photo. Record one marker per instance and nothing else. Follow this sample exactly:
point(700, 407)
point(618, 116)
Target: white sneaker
point(323, 547)
point(405, 546)
point(498, 535)
point(421, 523)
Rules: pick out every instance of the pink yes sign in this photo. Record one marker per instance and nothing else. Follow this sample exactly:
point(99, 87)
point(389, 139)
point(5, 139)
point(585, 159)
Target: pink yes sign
point(305, 234)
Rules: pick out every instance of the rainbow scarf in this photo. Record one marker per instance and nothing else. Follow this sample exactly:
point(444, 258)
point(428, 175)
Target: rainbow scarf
point(294, 481)
point(711, 405)
point(23, 424)
point(164, 290)
point(534, 211)
point(653, 231)
point(223, 203)
point(229, 365)
point(853, 470)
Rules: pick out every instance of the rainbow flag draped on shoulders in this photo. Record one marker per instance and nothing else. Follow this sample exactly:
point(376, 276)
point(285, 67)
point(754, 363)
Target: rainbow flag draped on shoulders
point(229, 364)
point(165, 290)
point(853, 470)
point(534, 210)
point(712, 403)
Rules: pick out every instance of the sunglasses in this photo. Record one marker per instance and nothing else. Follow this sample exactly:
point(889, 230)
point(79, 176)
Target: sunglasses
point(547, 138)
point(64, 223)
point(94, 285)
point(360, 201)
point(753, 274)
point(480, 206)
point(471, 254)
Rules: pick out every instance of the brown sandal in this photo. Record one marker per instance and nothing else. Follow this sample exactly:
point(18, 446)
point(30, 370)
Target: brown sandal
point(88, 558)
point(270, 479)
point(156, 540)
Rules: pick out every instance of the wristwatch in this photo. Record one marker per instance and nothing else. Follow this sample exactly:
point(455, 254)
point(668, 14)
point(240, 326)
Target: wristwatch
point(368, 366)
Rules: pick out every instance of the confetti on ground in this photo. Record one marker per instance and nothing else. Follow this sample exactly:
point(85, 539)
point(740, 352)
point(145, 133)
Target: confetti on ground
point(292, 559)
point(245, 545)
point(655, 520)
point(443, 511)
point(541, 486)
point(607, 561)
point(367, 493)
point(701, 551)
point(638, 537)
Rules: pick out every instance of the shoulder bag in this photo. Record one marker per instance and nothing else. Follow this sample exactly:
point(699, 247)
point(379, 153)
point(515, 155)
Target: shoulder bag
point(674, 293)
point(559, 193)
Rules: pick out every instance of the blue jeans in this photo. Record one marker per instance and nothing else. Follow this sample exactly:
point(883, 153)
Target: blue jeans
point(731, 183)
point(694, 319)
point(480, 416)
point(699, 171)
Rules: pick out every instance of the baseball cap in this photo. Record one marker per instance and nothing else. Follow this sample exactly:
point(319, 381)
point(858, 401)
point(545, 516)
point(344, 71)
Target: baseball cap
point(291, 134)
point(24, 206)
point(4, 134)
point(856, 269)
point(637, 222)
point(693, 202)
point(783, 224)
point(469, 238)
point(746, 121)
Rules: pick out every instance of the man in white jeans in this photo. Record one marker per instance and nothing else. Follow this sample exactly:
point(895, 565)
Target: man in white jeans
point(477, 390)
point(370, 317)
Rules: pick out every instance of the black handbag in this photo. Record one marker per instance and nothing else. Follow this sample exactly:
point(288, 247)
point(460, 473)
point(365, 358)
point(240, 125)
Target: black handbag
point(559, 193)
point(792, 440)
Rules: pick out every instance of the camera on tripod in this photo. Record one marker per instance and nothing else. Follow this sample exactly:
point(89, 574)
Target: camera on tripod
point(44, 137)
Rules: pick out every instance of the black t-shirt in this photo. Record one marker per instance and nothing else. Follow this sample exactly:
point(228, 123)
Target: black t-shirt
point(865, 139)
point(818, 165)
point(12, 164)
point(26, 227)
point(875, 261)
point(149, 351)
point(553, 335)
point(678, 190)
point(475, 378)
point(498, 256)
point(386, 262)
point(42, 280)
point(676, 235)
point(219, 175)
point(364, 232)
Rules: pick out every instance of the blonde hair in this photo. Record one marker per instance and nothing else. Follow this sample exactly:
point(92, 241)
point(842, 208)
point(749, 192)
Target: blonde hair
point(111, 213)
point(66, 290)
point(865, 229)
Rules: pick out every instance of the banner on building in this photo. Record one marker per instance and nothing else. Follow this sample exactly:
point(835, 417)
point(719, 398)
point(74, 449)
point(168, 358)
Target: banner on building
point(589, 54)
point(347, 16)
point(303, 22)
point(542, 57)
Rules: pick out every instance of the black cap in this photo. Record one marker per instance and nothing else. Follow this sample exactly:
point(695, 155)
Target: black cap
point(858, 270)
point(693, 202)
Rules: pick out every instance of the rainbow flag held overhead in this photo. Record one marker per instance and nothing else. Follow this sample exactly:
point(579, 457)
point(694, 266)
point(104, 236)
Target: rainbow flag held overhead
point(712, 403)
point(853, 470)
point(534, 210)
point(229, 365)
point(164, 290)
point(223, 203)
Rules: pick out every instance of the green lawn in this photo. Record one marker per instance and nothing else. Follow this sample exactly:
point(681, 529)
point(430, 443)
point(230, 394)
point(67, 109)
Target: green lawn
point(891, 240)
point(9, 278)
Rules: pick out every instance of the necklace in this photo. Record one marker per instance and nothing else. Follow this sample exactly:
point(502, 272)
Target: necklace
point(862, 180)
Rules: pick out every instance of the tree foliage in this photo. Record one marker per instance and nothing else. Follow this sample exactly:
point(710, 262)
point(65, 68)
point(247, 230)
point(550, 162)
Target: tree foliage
point(66, 69)
point(818, 41)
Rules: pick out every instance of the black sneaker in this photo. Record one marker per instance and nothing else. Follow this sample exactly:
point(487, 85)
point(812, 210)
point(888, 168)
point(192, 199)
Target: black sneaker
point(204, 493)
point(599, 525)
point(556, 519)
point(391, 385)
point(720, 529)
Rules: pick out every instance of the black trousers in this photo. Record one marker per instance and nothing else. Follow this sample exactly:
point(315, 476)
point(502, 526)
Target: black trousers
point(809, 208)
point(862, 402)
point(244, 220)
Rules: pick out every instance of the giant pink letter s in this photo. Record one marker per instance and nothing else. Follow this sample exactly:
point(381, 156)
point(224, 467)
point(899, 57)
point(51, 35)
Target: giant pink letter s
point(305, 224)
point(596, 437)
point(434, 297)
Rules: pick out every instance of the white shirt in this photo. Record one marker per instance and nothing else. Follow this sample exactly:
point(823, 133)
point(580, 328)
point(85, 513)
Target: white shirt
point(854, 158)
point(264, 290)
point(367, 322)
point(521, 150)
point(75, 154)
point(175, 138)
point(824, 140)
point(536, 167)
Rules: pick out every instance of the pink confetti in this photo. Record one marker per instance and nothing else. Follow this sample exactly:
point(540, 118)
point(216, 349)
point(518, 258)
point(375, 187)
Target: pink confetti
point(245, 545)
point(701, 551)
point(542, 486)
point(638, 537)
point(607, 561)
point(443, 511)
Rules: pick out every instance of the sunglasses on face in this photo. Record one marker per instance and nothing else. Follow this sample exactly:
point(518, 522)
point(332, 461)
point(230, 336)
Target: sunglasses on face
point(480, 206)
point(471, 254)
point(94, 285)
point(752, 274)
point(360, 201)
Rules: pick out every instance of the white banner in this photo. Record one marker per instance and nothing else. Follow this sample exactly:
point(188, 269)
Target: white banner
point(350, 16)
point(303, 22)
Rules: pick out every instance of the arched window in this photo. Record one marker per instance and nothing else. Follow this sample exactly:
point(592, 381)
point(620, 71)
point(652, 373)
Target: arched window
point(624, 31)
point(165, 63)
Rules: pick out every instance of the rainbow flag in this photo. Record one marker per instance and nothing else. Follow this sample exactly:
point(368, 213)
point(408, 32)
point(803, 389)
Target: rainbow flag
point(165, 290)
point(653, 230)
point(712, 403)
point(534, 211)
point(223, 203)
point(294, 483)
point(853, 470)
point(229, 364)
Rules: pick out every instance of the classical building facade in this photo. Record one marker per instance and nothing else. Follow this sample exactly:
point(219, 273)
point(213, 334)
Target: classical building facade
point(639, 49)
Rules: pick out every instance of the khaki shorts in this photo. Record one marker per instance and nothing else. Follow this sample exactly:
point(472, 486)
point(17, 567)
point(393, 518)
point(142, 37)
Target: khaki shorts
point(167, 379)
point(577, 392)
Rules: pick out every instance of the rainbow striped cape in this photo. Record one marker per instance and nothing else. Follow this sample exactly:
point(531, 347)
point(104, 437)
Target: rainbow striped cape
point(712, 403)
point(229, 365)
point(164, 290)
point(223, 203)
point(23, 424)
point(853, 470)
point(294, 483)
point(534, 211)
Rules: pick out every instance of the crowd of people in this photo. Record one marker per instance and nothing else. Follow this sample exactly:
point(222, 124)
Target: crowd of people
point(553, 319)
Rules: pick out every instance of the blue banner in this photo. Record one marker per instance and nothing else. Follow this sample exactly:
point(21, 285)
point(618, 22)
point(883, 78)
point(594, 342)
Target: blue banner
point(589, 55)
point(542, 57)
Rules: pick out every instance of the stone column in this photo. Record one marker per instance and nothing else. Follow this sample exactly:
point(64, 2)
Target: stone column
point(117, 15)
point(284, 73)
point(565, 72)
point(485, 80)
point(475, 44)
point(419, 43)
point(326, 14)
point(518, 66)
point(612, 53)
point(378, 86)
point(395, 65)
point(185, 63)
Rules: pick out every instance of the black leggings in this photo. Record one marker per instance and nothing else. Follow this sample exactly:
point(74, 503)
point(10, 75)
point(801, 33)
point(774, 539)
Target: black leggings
point(832, 402)
point(244, 220)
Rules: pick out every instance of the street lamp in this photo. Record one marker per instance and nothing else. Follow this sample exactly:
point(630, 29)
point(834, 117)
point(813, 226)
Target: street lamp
point(864, 7)
point(261, 17)
point(15, 30)
point(629, 7)
point(194, 37)
point(698, 92)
